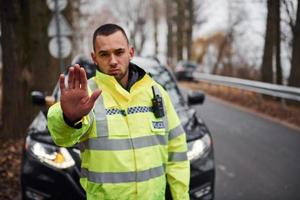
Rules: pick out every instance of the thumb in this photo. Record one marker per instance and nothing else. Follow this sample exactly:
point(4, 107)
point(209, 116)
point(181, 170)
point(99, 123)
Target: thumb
point(94, 97)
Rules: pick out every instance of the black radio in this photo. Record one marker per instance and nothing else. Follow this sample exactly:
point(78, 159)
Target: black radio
point(157, 105)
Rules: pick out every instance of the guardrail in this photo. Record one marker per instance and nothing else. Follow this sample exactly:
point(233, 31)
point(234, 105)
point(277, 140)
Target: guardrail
point(284, 92)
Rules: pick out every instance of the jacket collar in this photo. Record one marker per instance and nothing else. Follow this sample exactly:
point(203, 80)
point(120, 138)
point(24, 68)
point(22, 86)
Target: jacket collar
point(138, 80)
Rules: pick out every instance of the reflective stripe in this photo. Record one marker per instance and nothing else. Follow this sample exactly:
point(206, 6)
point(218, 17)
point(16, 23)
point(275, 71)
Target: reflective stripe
point(175, 132)
point(130, 110)
point(122, 177)
point(138, 109)
point(100, 112)
point(92, 84)
point(101, 119)
point(115, 111)
point(91, 119)
point(177, 156)
point(103, 143)
point(157, 91)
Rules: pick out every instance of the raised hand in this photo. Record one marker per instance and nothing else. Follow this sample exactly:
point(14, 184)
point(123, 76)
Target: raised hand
point(75, 100)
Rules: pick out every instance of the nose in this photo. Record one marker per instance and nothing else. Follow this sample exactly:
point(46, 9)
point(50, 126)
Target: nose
point(113, 60)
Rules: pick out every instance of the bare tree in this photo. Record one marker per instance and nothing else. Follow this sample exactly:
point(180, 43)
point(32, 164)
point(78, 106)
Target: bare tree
point(78, 26)
point(156, 15)
point(277, 41)
point(236, 16)
point(180, 27)
point(189, 30)
point(27, 64)
point(134, 14)
point(290, 9)
point(171, 29)
point(294, 79)
point(267, 63)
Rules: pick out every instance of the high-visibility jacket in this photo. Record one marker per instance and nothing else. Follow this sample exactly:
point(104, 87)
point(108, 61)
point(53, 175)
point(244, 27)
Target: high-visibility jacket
point(127, 153)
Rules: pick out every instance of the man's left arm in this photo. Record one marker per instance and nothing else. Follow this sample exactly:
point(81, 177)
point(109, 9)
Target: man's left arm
point(178, 166)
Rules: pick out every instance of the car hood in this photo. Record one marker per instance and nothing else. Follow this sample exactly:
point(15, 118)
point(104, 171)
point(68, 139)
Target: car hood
point(38, 129)
point(192, 123)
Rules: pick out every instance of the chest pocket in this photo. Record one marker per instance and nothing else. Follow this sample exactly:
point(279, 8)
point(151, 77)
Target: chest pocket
point(158, 126)
point(117, 123)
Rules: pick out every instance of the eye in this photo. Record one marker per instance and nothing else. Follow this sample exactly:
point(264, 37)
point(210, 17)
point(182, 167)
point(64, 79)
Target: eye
point(103, 54)
point(119, 52)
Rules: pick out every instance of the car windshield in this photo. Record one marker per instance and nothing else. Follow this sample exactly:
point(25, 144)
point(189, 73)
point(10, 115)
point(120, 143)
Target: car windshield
point(164, 78)
point(189, 65)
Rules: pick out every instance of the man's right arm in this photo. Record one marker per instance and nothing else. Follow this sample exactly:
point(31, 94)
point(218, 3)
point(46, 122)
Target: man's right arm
point(75, 103)
point(62, 133)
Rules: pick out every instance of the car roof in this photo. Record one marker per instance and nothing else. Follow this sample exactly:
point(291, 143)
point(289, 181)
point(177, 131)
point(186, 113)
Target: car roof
point(90, 67)
point(145, 62)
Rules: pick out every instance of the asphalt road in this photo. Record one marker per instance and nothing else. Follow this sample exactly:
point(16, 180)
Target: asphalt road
point(256, 158)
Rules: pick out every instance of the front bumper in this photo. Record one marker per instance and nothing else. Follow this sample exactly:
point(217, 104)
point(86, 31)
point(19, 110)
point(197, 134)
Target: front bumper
point(202, 179)
point(41, 182)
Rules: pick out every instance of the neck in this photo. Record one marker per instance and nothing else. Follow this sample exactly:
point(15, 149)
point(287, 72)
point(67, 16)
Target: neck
point(124, 81)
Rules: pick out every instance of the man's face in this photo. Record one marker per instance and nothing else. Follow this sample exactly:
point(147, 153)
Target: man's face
point(112, 55)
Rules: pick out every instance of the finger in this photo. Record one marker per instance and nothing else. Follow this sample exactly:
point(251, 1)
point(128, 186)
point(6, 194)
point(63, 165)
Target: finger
point(77, 76)
point(62, 83)
point(94, 97)
point(71, 78)
point(83, 79)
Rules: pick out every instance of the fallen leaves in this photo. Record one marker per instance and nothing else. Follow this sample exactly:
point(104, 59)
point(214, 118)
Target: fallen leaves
point(10, 162)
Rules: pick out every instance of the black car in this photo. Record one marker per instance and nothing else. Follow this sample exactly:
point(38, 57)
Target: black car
point(185, 69)
point(52, 172)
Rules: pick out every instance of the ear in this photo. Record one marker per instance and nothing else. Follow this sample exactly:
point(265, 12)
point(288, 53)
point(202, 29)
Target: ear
point(93, 55)
point(131, 52)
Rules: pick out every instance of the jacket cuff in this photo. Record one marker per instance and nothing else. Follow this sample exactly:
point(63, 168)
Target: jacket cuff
point(74, 124)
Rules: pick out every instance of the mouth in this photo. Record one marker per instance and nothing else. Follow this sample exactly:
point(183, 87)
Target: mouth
point(113, 72)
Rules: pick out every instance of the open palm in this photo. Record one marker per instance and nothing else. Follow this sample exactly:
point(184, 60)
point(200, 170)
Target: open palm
point(75, 99)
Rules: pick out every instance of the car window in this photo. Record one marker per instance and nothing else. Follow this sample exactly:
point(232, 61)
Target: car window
point(188, 65)
point(164, 78)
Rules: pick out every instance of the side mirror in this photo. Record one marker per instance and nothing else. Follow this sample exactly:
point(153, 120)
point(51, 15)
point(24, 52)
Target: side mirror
point(39, 98)
point(196, 98)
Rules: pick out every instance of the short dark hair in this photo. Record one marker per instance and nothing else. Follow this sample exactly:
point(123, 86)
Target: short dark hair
point(108, 29)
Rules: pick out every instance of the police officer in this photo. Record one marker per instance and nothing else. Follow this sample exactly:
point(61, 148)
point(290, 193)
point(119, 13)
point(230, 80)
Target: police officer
point(131, 140)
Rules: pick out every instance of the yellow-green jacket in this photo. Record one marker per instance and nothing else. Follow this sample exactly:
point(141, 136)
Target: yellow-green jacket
point(127, 153)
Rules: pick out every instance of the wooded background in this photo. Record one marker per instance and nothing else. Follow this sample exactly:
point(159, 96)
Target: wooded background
point(27, 64)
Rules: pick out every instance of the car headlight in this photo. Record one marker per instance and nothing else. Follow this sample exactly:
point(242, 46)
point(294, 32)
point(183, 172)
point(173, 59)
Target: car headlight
point(198, 148)
point(57, 157)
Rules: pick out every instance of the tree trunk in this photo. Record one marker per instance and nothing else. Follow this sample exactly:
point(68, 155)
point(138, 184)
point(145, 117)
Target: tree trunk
point(17, 79)
point(170, 38)
point(278, 43)
point(155, 25)
point(294, 79)
point(27, 64)
point(180, 28)
point(267, 63)
point(189, 32)
point(221, 52)
point(44, 67)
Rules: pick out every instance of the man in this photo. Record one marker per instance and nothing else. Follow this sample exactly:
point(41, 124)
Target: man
point(130, 135)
